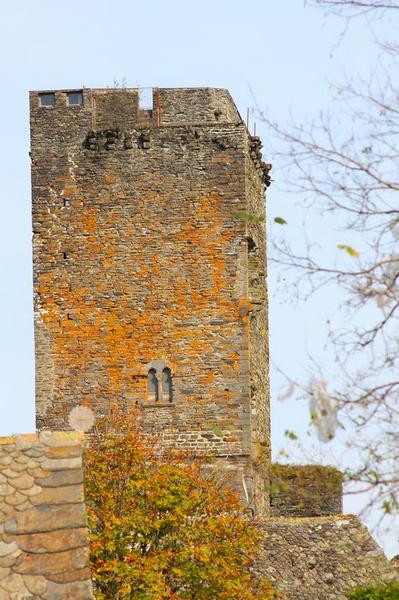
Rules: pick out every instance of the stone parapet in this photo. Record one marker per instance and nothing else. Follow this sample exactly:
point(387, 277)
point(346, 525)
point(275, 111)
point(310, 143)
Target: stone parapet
point(121, 108)
point(305, 491)
point(43, 530)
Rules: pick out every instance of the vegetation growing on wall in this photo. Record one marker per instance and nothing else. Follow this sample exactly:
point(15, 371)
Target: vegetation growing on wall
point(385, 592)
point(325, 476)
point(306, 490)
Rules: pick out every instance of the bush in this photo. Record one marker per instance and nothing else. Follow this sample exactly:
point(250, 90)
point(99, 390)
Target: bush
point(383, 592)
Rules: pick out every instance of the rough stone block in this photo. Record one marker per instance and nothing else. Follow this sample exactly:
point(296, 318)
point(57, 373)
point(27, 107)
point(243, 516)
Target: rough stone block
point(70, 494)
point(61, 478)
point(37, 585)
point(68, 591)
point(6, 549)
point(47, 518)
point(58, 464)
point(54, 563)
point(53, 541)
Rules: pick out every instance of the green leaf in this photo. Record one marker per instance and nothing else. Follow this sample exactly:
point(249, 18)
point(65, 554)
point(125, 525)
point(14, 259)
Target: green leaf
point(290, 435)
point(274, 489)
point(242, 215)
point(280, 221)
point(218, 432)
point(351, 251)
point(387, 507)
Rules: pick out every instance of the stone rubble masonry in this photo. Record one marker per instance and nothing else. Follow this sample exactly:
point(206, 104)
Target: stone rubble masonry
point(149, 247)
point(43, 530)
point(321, 558)
point(305, 491)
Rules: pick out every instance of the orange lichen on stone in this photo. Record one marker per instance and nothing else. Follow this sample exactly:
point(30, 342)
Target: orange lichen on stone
point(107, 178)
point(91, 221)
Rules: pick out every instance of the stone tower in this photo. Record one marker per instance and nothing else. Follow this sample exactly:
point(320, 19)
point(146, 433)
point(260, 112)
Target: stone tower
point(149, 268)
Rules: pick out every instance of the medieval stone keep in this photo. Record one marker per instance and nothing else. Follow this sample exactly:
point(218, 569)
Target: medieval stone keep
point(149, 267)
point(150, 293)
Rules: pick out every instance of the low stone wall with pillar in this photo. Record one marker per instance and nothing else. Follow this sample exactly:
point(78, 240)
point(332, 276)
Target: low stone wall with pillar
point(43, 532)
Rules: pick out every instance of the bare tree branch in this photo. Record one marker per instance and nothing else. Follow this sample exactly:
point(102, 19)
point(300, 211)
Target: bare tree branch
point(345, 164)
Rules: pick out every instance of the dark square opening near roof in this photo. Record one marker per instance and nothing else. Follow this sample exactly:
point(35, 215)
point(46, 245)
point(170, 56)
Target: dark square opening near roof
point(75, 98)
point(47, 99)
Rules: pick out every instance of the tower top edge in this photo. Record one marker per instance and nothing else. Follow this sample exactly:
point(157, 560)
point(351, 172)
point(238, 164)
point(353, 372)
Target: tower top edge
point(102, 108)
point(129, 89)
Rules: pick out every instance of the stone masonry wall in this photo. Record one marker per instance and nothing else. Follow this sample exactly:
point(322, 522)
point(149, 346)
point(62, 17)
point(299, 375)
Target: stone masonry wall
point(321, 558)
point(43, 532)
point(305, 491)
point(256, 175)
point(140, 261)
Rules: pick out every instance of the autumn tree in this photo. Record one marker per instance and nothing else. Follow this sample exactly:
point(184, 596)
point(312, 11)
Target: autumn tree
point(160, 528)
point(345, 165)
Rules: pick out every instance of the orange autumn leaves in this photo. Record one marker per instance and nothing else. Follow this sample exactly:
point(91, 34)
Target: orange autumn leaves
point(159, 529)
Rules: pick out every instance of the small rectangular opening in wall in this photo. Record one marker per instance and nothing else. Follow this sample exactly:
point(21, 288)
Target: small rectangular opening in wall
point(145, 99)
point(75, 98)
point(47, 99)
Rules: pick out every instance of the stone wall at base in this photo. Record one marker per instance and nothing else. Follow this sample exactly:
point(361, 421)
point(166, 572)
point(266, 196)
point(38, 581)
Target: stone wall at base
point(43, 530)
point(321, 558)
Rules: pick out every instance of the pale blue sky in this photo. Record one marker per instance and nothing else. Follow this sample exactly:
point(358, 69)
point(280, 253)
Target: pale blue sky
point(285, 52)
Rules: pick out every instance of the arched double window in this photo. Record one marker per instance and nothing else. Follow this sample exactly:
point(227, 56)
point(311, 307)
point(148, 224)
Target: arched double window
point(152, 386)
point(167, 388)
point(159, 385)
